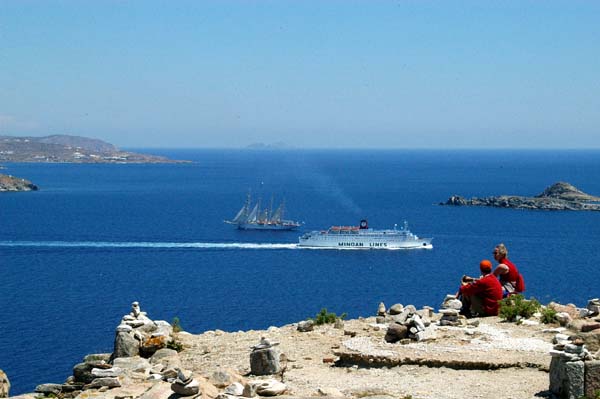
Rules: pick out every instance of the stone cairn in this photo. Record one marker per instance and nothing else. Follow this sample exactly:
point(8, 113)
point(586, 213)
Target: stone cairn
point(138, 335)
point(404, 323)
point(185, 384)
point(450, 310)
point(574, 371)
point(264, 358)
point(140, 348)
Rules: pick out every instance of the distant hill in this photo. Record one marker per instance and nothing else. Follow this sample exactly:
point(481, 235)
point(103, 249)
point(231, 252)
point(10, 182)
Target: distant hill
point(69, 149)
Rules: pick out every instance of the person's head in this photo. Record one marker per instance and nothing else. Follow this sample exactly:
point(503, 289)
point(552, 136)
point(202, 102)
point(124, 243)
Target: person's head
point(485, 266)
point(500, 252)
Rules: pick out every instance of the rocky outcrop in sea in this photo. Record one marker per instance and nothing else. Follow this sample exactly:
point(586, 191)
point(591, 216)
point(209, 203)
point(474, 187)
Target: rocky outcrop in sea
point(11, 183)
point(559, 196)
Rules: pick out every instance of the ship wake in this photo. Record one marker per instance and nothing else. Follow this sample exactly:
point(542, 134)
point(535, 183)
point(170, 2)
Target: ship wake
point(150, 245)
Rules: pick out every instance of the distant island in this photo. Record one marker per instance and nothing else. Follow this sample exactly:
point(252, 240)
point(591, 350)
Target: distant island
point(69, 149)
point(559, 196)
point(11, 183)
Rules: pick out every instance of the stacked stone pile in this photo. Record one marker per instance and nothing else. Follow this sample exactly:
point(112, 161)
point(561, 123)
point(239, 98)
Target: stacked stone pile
point(450, 310)
point(185, 384)
point(573, 371)
point(404, 323)
point(139, 335)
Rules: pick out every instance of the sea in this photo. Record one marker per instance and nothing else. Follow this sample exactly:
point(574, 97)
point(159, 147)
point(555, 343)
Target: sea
point(96, 237)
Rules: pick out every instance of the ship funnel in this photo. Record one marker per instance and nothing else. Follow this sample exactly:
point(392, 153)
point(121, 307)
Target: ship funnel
point(364, 224)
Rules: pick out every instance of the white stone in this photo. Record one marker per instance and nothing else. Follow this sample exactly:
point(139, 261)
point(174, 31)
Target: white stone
point(530, 323)
point(235, 389)
point(124, 328)
point(111, 372)
point(270, 388)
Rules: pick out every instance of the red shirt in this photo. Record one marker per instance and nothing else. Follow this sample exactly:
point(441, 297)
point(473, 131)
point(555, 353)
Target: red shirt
point(488, 288)
point(512, 276)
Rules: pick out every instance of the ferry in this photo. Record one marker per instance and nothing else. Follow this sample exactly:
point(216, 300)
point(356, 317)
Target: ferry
point(364, 237)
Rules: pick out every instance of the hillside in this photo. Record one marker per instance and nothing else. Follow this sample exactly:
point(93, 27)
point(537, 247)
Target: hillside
point(69, 149)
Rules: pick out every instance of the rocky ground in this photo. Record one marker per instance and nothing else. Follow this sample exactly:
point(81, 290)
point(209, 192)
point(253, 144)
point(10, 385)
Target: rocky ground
point(477, 358)
point(514, 360)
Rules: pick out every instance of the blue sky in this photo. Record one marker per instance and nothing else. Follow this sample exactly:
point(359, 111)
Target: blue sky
point(372, 74)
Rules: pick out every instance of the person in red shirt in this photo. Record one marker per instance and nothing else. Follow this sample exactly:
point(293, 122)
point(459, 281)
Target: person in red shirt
point(511, 280)
point(480, 297)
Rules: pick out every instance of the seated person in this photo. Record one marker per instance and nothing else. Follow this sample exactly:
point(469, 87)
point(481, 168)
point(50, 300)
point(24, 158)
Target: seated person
point(510, 278)
point(480, 296)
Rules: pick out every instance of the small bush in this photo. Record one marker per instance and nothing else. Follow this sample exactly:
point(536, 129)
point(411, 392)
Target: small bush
point(548, 315)
point(176, 325)
point(325, 317)
point(176, 345)
point(516, 307)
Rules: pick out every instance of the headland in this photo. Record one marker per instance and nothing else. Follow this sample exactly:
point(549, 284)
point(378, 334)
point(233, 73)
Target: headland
point(559, 196)
point(70, 149)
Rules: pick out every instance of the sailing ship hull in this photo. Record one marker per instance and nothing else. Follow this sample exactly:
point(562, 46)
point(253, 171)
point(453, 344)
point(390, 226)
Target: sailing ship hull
point(267, 226)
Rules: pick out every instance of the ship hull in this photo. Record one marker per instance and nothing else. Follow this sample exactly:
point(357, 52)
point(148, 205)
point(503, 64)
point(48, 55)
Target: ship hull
point(260, 226)
point(364, 243)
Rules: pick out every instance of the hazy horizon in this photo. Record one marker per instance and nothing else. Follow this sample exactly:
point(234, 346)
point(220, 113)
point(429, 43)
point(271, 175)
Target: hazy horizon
point(335, 74)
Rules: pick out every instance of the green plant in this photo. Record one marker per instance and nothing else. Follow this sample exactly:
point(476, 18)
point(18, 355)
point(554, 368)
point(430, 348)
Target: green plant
point(176, 325)
point(548, 315)
point(325, 317)
point(516, 307)
point(175, 345)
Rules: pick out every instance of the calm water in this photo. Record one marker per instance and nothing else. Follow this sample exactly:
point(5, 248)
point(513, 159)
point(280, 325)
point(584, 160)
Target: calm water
point(74, 255)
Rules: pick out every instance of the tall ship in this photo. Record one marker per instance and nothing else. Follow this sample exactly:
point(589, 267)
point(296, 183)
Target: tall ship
point(364, 237)
point(254, 218)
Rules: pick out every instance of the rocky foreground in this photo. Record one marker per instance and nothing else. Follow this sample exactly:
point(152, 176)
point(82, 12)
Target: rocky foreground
point(400, 352)
point(11, 183)
point(559, 196)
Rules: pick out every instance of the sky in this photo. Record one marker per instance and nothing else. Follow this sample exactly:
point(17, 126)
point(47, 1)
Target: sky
point(308, 74)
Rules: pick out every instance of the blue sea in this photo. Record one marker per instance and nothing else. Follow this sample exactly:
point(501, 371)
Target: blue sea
point(95, 238)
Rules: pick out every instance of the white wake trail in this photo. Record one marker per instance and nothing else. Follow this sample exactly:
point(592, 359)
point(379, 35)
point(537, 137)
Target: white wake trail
point(108, 244)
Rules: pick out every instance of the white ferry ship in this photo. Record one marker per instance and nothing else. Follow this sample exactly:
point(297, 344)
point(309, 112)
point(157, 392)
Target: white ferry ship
point(363, 237)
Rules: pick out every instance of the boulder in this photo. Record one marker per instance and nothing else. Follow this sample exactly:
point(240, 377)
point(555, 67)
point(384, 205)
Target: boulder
point(395, 333)
point(225, 377)
point(125, 346)
point(136, 364)
point(265, 361)
point(306, 325)
point(162, 355)
point(188, 389)
point(396, 309)
point(235, 389)
point(270, 388)
point(82, 372)
point(49, 389)
point(108, 382)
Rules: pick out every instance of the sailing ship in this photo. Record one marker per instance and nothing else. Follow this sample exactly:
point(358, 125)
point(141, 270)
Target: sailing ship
point(255, 218)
